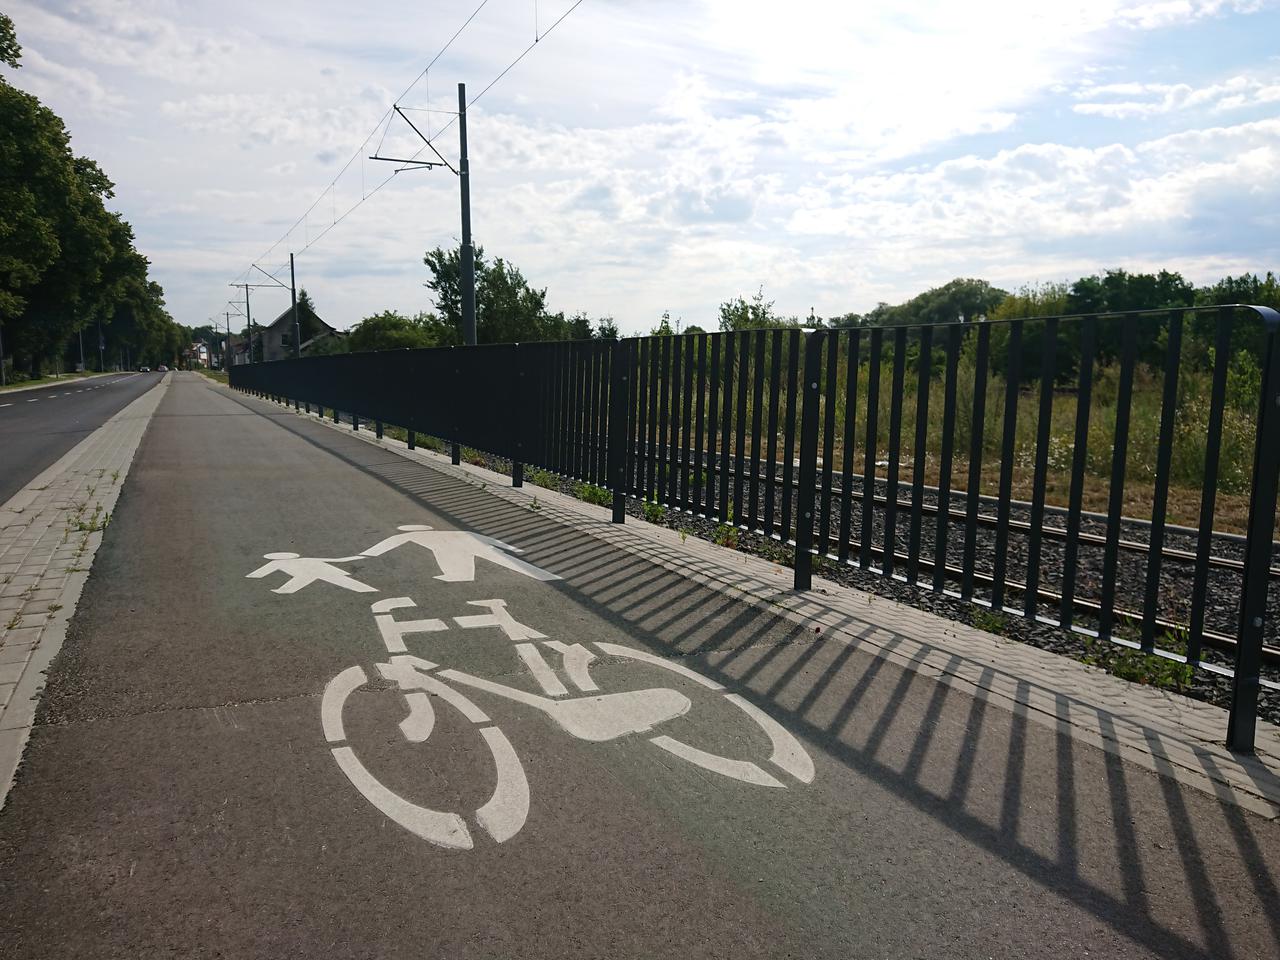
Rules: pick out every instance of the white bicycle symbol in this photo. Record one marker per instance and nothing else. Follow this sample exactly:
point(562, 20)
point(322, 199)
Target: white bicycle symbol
point(586, 714)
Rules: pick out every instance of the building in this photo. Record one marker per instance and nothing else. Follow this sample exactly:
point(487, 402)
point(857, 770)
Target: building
point(275, 341)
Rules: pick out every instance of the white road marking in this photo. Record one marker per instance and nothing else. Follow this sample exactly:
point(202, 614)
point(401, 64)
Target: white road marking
point(335, 695)
point(435, 826)
point(393, 631)
point(743, 770)
point(304, 571)
point(616, 650)
point(508, 808)
point(497, 617)
point(788, 755)
point(6, 404)
point(541, 670)
point(417, 726)
point(576, 658)
point(410, 673)
point(33, 400)
point(456, 551)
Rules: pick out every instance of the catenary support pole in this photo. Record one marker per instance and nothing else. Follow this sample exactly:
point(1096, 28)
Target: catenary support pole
point(466, 255)
point(293, 297)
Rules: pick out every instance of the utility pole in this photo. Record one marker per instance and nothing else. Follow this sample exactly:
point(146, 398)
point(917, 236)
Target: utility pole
point(468, 255)
point(82, 370)
point(293, 296)
point(2, 373)
point(248, 315)
point(102, 346)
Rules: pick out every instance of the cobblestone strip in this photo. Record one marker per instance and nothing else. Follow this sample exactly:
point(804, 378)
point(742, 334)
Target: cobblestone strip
point(49, 533)
point(1165, 732)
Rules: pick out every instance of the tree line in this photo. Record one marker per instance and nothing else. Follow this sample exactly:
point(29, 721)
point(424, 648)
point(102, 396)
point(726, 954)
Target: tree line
point(68, 265)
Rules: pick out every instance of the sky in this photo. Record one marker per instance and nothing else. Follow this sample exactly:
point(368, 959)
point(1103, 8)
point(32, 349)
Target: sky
point(668, 155)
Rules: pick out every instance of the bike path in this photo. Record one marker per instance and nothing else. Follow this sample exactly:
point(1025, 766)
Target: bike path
point(182, 793)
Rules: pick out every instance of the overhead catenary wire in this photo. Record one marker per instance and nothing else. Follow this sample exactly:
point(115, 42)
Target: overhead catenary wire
point(383, 124)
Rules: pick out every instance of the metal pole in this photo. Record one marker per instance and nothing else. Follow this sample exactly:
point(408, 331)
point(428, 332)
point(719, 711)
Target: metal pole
point(249, 317)
point(467, 256)
point(808, 459)
point(3, 379)
point(102, 345)
point(82, 370)
point(293, 296)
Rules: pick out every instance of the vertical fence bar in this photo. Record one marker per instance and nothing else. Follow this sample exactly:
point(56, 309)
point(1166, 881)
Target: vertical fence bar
point(1243, 720)
point(713, 412)
point(740, 450)
point(1044, 417)
point(664, 421)
point(924, 368)
point(605, 404)
point(1209, 489)
point(954, 335)
point(595, 401)
point(616, 447)
point(977, 428)
point(771, 460)
point(1013, 377)
point(726, 426)
point(673, 438)
point(634, 400)
point(699, 438)
point(789, 441)
point(641, 378)
point(1079, 456)
point(846, 461)
point(871, 448)
point(895, 451)
point(757, 414)
point(1164, 454)
point(686, 425)
point(808, 461)
point(828, 445)
point(1115, 508)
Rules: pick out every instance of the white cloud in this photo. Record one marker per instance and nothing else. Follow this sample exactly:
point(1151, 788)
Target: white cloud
point(1151, 99)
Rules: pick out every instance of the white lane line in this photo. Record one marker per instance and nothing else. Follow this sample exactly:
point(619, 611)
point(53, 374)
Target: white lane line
point(33, 400)
point(6, 404)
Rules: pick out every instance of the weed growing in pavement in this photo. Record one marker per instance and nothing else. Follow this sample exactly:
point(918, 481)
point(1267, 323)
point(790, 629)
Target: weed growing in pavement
point(992, 621)
point(684, 534)
point(98, 521)
point(55, 607)
point(653, 511)
point(13, 621)
point(535, 505)
point(1138, 667)
point(726, 536)
point(542, 478)
point(115, 477)
point(590, 493)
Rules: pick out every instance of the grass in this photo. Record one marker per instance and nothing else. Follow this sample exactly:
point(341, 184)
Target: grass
point(653, 511)
point(590, 493)
point(40, 381)
point(220, 376)
point(990, 621)
point(1138, 667)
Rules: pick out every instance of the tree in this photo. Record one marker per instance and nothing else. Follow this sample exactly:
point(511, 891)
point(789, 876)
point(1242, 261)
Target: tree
point(508, 309)
point(606, 329)
point(389, 330)
point(739, 314)
point(10, 51)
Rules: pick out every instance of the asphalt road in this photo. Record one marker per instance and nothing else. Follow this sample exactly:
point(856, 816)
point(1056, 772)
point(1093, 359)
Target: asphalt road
point(189, 788)
point(39, 426)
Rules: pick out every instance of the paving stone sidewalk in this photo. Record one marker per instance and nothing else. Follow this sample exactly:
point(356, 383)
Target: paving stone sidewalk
point(1165, 732)
point(49, 533)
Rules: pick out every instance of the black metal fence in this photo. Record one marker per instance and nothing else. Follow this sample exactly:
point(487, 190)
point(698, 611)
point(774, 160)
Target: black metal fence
point(1028, 466)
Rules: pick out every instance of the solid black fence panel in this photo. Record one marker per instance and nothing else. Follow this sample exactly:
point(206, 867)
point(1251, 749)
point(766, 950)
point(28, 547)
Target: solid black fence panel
point(977, 429)
point(1160, 497)
point(924, 367)
point(1119, 458)
point(955, 335)
point(871, 448)
point(1013, 377)
point(1209, 488)
point(850, 421)
point(889, 558)
point(1044, 420)
point(771, 462)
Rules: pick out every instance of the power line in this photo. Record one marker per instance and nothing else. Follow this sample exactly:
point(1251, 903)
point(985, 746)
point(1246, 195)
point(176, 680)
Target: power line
point(384, 124)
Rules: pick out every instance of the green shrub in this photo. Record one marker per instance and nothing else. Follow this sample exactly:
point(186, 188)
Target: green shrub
point(590, 493)
point(653, 511)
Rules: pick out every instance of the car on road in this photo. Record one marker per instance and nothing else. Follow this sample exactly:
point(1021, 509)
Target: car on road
point(144, 369)
point(162, 369)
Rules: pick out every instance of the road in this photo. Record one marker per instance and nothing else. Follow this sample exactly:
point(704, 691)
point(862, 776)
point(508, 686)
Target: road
point(39, 426)
point(619, 762)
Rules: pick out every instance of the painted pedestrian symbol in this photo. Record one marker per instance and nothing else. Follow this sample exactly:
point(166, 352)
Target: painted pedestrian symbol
point(566, 694)
point(304, 571)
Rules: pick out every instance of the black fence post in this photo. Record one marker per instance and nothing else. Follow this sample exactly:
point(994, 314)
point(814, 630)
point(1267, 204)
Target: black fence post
point(1243, 721)
point(805, 492)
point(520, 404)
point(413, 440)
point(377, 429)
point(616, 455)
point(335, 414)
point(355, 421)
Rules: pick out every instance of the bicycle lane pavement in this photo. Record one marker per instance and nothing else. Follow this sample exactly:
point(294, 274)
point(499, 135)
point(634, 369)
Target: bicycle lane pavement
point(497, 763)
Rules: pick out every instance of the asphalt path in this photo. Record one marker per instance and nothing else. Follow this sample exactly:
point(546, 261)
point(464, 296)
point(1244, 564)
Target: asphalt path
point(39, 426)
point(216, 765)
